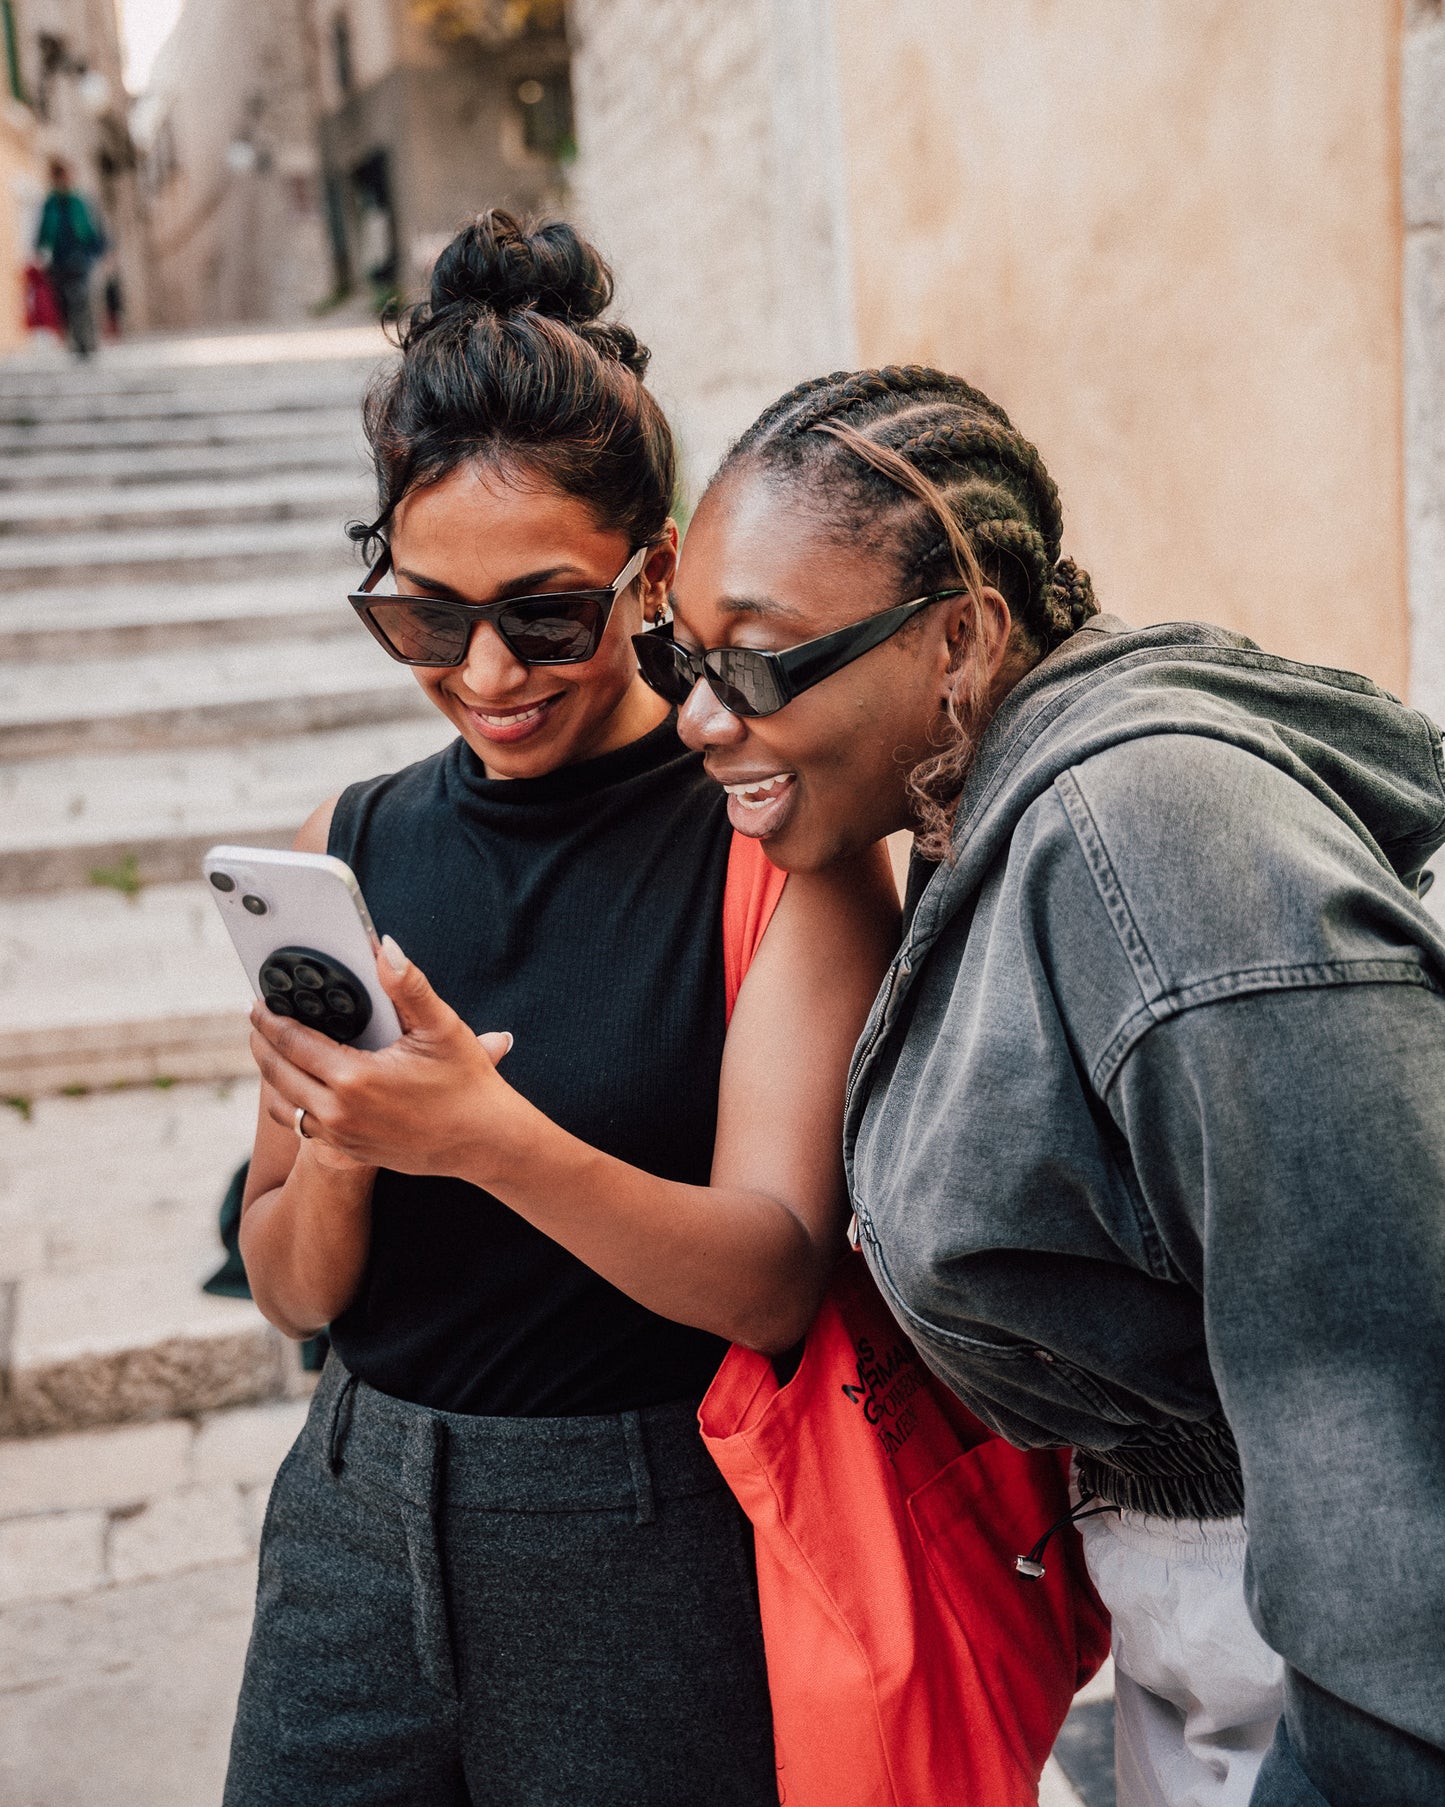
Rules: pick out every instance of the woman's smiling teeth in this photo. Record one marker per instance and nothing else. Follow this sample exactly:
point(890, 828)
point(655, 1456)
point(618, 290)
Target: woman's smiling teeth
point(758, 791)
point(513, 718)
point(760, 806)
point(510, 724)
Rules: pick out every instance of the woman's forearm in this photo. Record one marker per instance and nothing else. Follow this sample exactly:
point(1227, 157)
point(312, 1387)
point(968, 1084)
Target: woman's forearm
point(726, 1259)
point(305, 1243)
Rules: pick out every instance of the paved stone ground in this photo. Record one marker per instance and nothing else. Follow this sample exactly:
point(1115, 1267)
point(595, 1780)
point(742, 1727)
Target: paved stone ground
point(124, 1698)
point(1084, 1757)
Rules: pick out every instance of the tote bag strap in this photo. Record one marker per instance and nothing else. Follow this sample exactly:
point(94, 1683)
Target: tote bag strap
point(750, 895)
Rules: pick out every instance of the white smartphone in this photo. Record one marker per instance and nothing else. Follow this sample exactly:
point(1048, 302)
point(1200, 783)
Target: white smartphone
point(301, 927)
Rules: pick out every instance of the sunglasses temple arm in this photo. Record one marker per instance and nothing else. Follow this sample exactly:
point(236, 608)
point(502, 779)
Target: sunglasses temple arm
point(818, 659)
point(376, 573)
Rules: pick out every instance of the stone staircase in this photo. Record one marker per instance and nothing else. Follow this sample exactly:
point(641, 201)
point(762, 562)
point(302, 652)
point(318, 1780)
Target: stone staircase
point(178, 666)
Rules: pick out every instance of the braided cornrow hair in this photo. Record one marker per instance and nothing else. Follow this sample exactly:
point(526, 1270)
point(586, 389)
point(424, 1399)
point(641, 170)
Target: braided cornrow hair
point(925, 464)
point(991, 479)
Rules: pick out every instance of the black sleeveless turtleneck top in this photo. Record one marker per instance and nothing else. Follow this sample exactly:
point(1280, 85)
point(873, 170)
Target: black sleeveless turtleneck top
point(582, 911)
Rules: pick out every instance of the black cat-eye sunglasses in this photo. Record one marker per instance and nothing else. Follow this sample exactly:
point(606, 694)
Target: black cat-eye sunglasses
point(747, 681)
point(559, 627)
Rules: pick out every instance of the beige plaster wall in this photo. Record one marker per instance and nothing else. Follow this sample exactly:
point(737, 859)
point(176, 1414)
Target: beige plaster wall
point(710, 172)
point(1166, 235)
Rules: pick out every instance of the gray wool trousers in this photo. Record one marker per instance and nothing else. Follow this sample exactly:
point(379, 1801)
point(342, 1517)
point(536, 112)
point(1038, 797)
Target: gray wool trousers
point(501, 1612)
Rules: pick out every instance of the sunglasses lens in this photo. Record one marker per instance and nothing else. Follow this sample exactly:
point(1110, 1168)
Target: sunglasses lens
point(559, 631)
point(423, 633)
point(663, 667)
point(743, 681)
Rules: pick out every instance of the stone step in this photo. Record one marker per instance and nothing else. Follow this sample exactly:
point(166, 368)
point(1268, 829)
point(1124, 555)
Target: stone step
point(36, 562)
point(173, 357)
point(108, 1225)
point(108, 382)
point(286, 391)
point(34, 516)
point(121, 469)
point(203, 430)
point(201, 696)
point(99, 989)
point(137, 1501)
point(92, 622)
point(147, 817)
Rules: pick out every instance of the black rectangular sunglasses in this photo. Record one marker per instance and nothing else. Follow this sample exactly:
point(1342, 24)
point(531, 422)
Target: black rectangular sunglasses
point(748, 681)
point(560, 627)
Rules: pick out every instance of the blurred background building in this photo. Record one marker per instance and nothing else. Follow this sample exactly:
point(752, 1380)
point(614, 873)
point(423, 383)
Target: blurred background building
point(302, 154)
point(232, 178)
point(426, 107)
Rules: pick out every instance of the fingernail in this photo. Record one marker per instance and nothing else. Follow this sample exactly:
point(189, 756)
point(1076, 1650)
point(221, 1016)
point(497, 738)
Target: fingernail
point(395, 958)
point(510, 1040)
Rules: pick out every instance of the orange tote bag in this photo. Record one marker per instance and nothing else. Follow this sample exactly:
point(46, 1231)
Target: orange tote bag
point(909, 1664)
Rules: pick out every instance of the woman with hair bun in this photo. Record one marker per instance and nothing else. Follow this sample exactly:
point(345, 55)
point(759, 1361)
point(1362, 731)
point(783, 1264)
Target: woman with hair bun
point(1145, 1134)
point(498, 1565)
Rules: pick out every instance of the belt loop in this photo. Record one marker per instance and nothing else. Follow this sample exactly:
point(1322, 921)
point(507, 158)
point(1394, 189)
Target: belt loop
point(637, 1462)
point(338, 1422)
point(421, 1459)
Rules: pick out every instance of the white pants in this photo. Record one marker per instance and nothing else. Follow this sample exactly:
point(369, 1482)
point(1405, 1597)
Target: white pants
point(1197, 1691)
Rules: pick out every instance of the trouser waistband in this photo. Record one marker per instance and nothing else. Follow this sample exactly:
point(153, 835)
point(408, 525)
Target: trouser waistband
point(1175, 1470)
point(623, 1461)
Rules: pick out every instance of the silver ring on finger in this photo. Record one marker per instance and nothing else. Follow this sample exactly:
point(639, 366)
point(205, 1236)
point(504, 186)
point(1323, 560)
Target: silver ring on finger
point(299, 1119)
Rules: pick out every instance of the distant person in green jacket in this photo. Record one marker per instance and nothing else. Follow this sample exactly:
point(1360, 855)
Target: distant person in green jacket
point(72, 240)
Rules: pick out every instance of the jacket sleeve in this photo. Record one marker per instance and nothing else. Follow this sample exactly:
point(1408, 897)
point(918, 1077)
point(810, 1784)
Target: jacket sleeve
point(1290, 1146)
point(96, 238)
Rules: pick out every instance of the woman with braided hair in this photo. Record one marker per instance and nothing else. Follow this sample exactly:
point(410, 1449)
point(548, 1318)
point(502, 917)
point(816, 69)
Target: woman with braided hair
point(1144, 1135)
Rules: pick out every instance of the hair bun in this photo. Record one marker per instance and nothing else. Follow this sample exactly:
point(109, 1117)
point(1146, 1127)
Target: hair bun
point(502, 264)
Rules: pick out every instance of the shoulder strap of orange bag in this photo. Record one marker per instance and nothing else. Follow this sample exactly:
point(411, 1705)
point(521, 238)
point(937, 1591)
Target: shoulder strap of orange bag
point(750, 895)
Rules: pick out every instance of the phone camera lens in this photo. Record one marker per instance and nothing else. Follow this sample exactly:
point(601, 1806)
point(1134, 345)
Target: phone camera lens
point(308, 1004)
point(279, 1003)
point(275, 978)
point(254, 904)
point(308, 976)
point(340, 1001)
point(223, 881)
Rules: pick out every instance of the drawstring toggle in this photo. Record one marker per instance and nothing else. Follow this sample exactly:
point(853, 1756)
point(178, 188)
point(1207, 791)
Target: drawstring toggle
point(1032, 1565)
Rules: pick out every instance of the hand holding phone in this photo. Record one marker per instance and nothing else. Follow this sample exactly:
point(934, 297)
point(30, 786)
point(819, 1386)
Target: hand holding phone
point(307, 943)
point(305, 939)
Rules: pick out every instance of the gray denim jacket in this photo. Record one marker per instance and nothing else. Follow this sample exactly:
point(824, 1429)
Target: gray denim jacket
point(1146, 1139)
